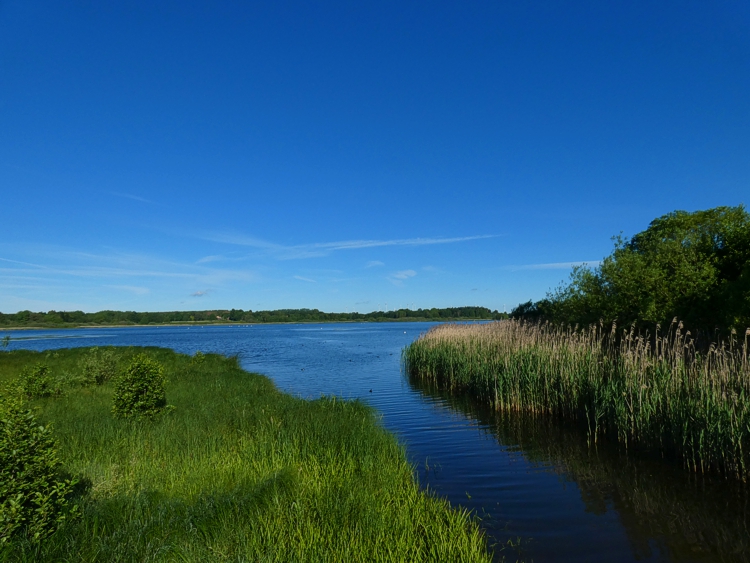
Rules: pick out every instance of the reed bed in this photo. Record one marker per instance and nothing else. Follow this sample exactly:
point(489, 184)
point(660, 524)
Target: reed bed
point(657, 392)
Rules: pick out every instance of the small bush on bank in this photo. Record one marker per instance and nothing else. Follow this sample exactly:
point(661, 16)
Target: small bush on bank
point(141, 390)
point(36, 382)
point(98, 366)
point(32, 494)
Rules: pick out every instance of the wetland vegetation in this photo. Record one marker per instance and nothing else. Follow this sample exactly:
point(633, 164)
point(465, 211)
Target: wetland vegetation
point(228, 469)
point(656, 394)
point(666, 513)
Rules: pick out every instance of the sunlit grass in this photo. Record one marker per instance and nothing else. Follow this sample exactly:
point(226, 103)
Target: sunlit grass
point(238, 471)
point(656, 393)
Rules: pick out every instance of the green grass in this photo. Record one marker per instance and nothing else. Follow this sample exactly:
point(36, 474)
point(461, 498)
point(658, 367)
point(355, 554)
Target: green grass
point(238, 471)
point(658, 394)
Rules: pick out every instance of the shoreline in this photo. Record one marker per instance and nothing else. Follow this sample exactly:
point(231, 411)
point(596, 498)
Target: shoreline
point(236, 323)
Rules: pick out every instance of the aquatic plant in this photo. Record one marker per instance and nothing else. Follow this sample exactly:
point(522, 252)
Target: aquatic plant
point(653, 392)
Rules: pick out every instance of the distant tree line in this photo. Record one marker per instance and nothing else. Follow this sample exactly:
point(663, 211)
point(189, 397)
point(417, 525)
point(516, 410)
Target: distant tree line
point(692, 266)
point(77, 318)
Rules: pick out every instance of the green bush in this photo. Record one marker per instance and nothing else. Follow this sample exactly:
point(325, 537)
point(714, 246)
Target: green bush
point(141, 390)
point(33, 496)
point(98, 366)
point(198, 358)
point(36, 382)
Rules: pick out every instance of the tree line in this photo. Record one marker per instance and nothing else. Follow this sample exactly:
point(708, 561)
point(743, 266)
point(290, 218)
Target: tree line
point(79, 318)
point(693, 266)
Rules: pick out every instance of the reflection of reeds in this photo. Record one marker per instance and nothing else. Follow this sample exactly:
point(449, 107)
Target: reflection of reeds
point(653, 392)
point(691, 517)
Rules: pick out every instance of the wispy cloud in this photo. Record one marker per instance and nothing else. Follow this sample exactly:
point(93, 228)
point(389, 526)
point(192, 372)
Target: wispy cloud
point(200, 293)
point(374, 264)
point(304, 279)
point(106, 278)
point(133, 197)
point(404, 274)
point(22, 263)
point(555, 265)
point(397, 278)
point(207, 259)
point(316, 249)
point(138, 290)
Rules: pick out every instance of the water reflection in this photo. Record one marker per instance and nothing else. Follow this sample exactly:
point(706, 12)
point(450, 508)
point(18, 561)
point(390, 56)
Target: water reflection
point(667, 513)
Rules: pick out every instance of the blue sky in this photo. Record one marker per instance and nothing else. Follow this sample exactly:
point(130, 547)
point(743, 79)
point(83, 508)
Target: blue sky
point(345, 156)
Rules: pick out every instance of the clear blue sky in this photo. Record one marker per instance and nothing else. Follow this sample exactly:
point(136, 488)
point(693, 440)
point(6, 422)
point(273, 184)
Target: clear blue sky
point(342, 156)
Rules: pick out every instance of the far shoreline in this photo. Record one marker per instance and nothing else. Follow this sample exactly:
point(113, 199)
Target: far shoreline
point(238, 324)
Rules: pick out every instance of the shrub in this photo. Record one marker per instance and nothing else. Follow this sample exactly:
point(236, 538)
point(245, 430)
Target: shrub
point(32, 493)
point(36, 382)
point(98, 366)
point(140, 390)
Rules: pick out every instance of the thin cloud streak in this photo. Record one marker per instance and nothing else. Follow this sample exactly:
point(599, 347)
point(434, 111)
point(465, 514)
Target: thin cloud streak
point(138, 290)
point(555, 265)
point(318, 249)
point(301, 278)
point(133, 197)
point(23, 263)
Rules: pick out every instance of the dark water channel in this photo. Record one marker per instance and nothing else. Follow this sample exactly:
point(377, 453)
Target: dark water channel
point(539, 487)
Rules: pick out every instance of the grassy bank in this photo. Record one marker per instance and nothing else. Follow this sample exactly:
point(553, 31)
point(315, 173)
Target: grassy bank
point(236, 472)
point(656, 393)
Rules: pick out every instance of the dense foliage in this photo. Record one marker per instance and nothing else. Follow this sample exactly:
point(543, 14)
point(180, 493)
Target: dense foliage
point(98, 366)
point(77, 318)
point(693, 266)
point(36, 381)
point(141, 389)
point(33, 496)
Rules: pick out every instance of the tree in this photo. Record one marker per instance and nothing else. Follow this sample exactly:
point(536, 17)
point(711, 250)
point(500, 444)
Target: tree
point(694, 266)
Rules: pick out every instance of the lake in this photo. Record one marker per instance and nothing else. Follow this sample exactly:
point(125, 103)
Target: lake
point(541, 490)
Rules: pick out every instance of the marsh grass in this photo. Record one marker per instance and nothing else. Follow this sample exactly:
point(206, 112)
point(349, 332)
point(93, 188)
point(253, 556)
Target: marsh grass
point(655, 393)
point(238, 471)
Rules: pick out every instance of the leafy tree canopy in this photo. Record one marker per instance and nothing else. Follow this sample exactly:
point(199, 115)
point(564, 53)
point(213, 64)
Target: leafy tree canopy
point(693, 266)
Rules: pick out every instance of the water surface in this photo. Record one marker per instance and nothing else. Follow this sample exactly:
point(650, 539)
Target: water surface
point(540, 489)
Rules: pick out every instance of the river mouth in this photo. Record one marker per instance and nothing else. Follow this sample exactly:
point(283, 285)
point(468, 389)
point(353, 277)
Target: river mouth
point(541, 490)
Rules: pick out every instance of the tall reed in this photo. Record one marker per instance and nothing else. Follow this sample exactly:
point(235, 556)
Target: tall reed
point(653, 392)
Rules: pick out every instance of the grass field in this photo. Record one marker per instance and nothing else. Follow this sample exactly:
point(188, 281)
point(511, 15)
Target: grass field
point(237, 471)
point(658, 393)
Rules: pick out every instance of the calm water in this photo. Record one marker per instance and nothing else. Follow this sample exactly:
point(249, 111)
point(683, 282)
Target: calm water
point(540, 483)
